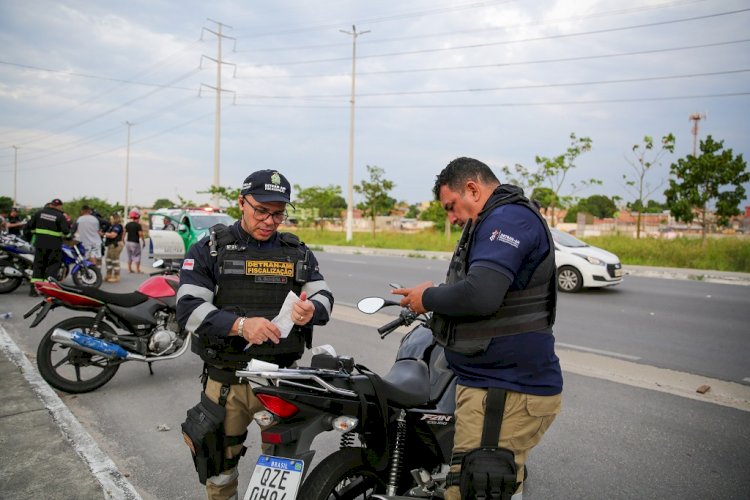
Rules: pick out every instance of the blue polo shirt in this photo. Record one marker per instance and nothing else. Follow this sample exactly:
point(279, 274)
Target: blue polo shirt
point(512, 241)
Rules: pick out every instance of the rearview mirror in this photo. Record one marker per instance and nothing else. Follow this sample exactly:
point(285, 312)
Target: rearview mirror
point(370, 305)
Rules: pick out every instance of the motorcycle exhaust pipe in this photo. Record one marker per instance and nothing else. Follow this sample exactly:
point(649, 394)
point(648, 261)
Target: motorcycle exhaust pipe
point(12, 272)
point(89, 344)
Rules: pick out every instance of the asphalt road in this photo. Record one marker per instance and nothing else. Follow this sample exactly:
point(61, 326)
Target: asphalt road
point(611, 441)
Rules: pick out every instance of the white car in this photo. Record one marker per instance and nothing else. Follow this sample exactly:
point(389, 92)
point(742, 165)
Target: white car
point(580, 265)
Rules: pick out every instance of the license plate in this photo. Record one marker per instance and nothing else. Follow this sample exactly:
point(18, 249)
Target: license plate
point(618, 273)
point(275, 478)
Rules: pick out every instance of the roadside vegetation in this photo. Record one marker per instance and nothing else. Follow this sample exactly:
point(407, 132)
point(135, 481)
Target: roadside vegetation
point(722, 254)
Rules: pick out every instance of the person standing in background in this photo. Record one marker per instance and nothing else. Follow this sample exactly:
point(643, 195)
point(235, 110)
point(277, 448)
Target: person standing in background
point(113, 245)
point(87, 232)
point(134, 241)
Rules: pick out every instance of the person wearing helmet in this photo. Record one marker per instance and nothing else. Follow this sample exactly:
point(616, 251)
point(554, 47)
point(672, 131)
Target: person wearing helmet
point(134, 241)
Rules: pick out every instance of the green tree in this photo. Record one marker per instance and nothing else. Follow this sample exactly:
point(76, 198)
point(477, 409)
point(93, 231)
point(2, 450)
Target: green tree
point(375, 192)
point(553, 170)
point(327, 200)
point(543, 195)
point(6, 203)
point(413, 212)
point(644, 158)
point(435, 213)
point(522, 177)
point(598, 205)
point(652, 207)
point(103, 207)
point(162, 203)
point(716, 175)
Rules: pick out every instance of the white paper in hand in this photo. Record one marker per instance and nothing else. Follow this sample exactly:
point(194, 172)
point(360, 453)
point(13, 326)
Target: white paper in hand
point(284, 320)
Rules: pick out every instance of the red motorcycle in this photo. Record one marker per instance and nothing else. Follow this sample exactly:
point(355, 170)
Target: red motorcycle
point(83, 353)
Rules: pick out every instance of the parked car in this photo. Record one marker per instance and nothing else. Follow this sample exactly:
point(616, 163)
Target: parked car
point(191, 225)
point(581, 265)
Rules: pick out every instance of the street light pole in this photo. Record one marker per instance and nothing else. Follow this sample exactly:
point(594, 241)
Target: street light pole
point(127, 168)
point(350, 189)
point(15, 175)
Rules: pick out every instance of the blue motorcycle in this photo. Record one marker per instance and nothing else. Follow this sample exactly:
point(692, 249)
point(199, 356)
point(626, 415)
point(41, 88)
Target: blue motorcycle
point(76, 264)
point(16, 260)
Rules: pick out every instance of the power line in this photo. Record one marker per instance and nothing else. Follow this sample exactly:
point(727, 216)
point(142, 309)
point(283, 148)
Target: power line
point(522, 40)
point(379, 41)
point(383, 19)
point(503, 64)
point(509, 87)
point(511, 104)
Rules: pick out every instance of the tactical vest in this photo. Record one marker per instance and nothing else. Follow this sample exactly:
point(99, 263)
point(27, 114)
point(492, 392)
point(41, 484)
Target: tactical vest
point(254, 283)
point(529, 304)
point(48, 228)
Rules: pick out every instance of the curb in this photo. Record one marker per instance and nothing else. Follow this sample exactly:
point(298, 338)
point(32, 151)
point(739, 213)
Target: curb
point(705, 275)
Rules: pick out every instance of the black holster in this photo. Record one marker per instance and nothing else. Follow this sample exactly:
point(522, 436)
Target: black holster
point(203, 431)
point(489, 472)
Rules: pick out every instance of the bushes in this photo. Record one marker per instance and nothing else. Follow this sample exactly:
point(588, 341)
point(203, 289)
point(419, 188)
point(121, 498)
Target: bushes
point(722, 253)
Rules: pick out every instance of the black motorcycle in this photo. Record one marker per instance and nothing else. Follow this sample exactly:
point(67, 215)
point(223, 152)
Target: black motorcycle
point(397, 429)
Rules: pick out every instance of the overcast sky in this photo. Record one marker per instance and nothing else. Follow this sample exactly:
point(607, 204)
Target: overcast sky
point(502, 81)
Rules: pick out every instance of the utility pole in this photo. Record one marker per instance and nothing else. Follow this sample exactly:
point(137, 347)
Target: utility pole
point(695, 118)
point(217, 128)
point(15, 175)
point(350, 190)
point(127, 170)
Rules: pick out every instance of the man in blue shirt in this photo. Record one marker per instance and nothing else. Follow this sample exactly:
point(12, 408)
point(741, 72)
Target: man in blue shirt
point(494, 314)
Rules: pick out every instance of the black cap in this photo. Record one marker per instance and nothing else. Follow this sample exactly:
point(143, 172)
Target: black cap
point(267, 185)
point(56, 201)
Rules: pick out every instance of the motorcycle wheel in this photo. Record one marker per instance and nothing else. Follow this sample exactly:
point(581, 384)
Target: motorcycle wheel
point(7, 284)
point(72, 370)
point(342, 475)
point(88, 276)
point(62, 273)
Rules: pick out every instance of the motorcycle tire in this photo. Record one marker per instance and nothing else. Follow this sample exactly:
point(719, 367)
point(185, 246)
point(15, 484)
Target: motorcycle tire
point(342, 475)
point(88, 276)
point(69, 369)
point(7, 284)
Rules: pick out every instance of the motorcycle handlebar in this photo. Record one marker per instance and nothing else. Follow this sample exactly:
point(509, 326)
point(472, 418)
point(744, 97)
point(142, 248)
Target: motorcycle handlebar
point(388, 328)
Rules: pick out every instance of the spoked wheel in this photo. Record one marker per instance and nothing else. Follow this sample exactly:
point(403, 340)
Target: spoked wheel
point(342, 475)
point(569, 279)
point(88, 276)
point(72, 370)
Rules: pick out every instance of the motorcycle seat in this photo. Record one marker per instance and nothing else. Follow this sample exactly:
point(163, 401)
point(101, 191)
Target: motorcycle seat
point(118, 299)
point(407, 383)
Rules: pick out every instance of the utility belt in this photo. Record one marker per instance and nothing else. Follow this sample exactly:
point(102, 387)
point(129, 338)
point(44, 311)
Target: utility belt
point(203, 432)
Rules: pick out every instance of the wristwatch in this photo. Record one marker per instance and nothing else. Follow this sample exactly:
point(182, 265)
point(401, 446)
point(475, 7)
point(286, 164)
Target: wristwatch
point(241, 326)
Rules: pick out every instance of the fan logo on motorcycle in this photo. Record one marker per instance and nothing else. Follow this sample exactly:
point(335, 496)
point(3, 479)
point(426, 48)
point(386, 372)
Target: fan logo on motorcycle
point(433, 419)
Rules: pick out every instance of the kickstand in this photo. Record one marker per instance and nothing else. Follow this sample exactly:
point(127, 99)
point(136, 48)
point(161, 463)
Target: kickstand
point(150, 370)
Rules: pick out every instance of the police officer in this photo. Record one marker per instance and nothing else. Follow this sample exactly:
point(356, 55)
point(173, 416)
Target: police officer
point(494, 314)
point(48, 226)
point(227, 302)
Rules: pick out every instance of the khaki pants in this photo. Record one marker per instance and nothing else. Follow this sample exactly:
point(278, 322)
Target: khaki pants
point(525, 420)
point(113, 260)
point(241, 406)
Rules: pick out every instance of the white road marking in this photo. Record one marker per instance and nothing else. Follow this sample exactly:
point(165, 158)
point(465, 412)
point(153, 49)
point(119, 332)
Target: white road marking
point(597, 351)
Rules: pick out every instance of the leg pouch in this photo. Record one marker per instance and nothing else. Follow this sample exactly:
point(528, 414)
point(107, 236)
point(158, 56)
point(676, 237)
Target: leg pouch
point(488, 473)
point(203, 431)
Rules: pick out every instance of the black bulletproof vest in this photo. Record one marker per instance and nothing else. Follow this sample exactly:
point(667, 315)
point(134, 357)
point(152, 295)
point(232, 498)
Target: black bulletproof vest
point(529, 304)
point(254, 282)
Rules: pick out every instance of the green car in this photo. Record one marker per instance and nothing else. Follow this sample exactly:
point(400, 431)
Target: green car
point(191, 225)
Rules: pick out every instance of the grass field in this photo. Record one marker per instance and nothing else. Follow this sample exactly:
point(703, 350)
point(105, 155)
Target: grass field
point(723, 254)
